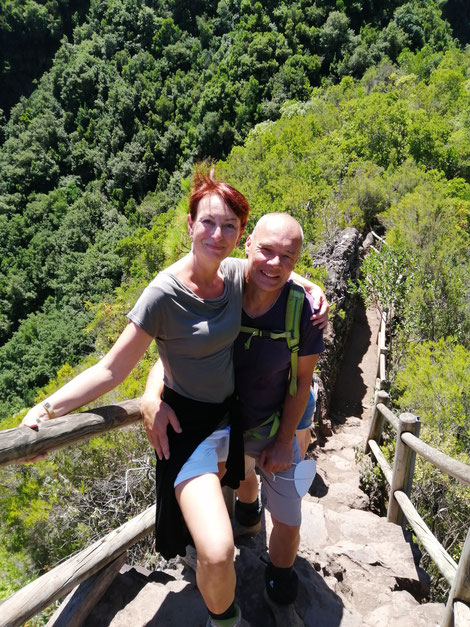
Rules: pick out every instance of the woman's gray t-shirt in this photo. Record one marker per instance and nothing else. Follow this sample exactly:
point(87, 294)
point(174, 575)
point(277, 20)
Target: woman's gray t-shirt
point(194, 335)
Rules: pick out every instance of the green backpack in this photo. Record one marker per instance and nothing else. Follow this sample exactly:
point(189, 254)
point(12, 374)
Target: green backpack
point(295, 302)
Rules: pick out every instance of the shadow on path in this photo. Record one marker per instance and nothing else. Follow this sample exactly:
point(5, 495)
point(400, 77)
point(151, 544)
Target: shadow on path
point(350, 390)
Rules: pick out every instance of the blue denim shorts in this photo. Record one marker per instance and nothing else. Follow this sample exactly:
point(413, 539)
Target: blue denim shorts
point(307, 418)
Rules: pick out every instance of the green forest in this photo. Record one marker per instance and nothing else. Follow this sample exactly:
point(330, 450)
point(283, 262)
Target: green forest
point(342, 113)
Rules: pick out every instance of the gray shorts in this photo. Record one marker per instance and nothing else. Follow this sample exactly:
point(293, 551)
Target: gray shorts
point(282, 499)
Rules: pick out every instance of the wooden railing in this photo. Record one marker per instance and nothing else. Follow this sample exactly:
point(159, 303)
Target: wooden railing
point(400, 479)
point(89, 572)
point(102, 559)
point(86, 575)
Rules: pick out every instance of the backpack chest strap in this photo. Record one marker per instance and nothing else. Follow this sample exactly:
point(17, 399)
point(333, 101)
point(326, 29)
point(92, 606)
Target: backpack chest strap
point(273, 335)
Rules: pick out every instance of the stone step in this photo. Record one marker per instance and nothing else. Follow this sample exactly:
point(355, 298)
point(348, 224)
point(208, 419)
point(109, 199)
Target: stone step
point(354, 568)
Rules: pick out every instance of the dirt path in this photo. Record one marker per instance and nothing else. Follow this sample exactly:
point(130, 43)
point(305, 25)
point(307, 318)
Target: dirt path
point(353, 395)
point(337, 484)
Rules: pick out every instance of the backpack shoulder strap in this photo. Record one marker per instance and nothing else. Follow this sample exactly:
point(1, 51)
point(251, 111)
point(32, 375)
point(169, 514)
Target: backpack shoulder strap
point(295, 302)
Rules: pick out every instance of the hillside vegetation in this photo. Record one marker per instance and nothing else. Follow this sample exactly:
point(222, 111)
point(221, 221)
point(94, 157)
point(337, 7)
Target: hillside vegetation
point(339, 113)
point(133, 97)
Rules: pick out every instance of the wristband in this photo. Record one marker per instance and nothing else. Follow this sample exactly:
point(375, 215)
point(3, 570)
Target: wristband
point(48, 407)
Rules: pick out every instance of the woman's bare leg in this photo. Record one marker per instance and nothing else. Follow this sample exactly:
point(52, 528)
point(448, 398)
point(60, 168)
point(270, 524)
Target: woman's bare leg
point(203, 507)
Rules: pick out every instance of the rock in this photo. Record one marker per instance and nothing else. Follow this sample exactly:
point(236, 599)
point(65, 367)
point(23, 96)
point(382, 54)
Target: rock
point(136, 600)
point(342, 261)
point(344, 496)
point(313, 532)
point(402, 610)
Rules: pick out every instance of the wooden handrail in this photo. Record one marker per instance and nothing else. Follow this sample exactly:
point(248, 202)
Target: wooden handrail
point(439, 555)
point(453, 467)
point(389, 415)
point(458, 603)
point(59, 581)
point(380, 457)
point(460, 590)
point(447, 464)
point(22, 443)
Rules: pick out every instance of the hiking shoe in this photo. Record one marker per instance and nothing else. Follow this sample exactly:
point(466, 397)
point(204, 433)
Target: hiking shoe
point(281, 584)
point(284, 615)
point(228, 622)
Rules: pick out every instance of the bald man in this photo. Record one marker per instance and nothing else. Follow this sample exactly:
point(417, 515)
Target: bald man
point(262, 368)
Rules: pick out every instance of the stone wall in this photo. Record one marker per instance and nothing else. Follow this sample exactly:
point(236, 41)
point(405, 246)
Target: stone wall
point(342, 260)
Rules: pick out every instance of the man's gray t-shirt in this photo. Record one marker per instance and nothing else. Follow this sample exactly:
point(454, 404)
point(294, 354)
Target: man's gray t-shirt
point(194, 335)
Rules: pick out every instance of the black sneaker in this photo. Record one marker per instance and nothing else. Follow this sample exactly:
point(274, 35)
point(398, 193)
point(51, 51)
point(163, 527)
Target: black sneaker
point(284, 615)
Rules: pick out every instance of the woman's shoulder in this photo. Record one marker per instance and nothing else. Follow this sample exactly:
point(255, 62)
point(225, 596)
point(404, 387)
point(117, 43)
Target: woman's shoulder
point(169, 276)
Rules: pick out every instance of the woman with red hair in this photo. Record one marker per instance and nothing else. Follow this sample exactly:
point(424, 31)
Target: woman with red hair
point(192, 309)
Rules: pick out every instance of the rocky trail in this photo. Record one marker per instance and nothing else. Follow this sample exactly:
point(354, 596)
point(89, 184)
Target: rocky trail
point(354, 567)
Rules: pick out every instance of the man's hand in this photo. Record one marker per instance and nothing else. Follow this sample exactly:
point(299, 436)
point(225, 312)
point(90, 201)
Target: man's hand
point(276, 457)
point(320, 318)
point(156, 416)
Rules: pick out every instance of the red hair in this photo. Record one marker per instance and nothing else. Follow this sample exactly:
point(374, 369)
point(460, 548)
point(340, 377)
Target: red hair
point(204, 183)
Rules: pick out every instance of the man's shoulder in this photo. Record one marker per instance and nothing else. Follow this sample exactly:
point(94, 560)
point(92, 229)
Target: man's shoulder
point(307, 301)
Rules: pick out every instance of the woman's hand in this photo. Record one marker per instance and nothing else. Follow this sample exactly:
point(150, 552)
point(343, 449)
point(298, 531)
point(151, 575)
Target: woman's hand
point(35, 416)
point(156, 416)
point(320, 318)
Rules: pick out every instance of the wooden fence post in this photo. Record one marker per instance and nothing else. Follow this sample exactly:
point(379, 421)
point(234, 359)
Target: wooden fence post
point(460, 591)
point(403, 466)
point(377, 420)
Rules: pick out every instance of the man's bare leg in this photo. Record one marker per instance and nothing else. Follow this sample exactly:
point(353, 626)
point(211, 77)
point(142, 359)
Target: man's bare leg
point(248, 490)
point(283, 544)
point(280, 578)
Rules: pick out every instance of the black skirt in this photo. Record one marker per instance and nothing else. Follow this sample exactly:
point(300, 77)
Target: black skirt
point(198, 420)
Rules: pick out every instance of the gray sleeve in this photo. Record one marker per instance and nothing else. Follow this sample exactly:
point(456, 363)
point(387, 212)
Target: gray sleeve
point(234, 267)
point(147, 312)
